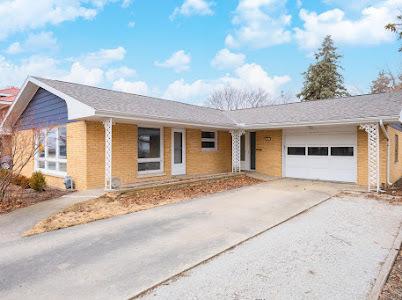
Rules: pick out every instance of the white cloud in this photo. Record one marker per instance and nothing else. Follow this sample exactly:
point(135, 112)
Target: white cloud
point(41, 40)
point(121, 72)
point(35, 42)
point(225, 59)
point(193, 7)
point(189, 92)
point(178, 61)
point(126, 3)
point(20, 15)
point(131, 24)
point(103, 57)
point(244, 77)
point(14, 48)
point(81, 74)
point(135, 87)
point(15, 73)
point(367, 29)
point(260, 24)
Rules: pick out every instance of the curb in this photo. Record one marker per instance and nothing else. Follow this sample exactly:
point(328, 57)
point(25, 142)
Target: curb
point(147, 290)
point(386, 268)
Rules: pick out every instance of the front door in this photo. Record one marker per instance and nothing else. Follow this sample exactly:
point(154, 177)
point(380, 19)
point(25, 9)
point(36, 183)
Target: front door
point(245, 151)
point(178, 151)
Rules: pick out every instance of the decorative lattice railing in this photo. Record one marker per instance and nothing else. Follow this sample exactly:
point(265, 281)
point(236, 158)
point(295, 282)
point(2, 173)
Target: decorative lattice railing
point(108, 153)
point(373, 137)
point(236, 136)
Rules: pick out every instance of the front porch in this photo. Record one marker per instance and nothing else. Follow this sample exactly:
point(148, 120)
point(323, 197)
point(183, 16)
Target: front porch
point(170, 154)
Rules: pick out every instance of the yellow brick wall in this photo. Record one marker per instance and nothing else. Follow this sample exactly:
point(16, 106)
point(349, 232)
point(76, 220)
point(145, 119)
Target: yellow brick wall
point(208, 161)
point(395, 166)
point(269, 153)
point(77, 153)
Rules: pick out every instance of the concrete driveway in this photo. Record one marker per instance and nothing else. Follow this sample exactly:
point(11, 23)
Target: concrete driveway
point(333, 251)
point(122, 256)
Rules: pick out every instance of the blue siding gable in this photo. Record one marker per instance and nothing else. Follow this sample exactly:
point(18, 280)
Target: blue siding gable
point(44, 110)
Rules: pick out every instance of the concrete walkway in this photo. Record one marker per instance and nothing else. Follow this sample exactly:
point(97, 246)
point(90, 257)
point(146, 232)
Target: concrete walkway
point(122, 256)
point(14, 224)
point(333, 251)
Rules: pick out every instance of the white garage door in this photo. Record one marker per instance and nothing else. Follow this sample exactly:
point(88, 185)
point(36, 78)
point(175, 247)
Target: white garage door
point(321, 153)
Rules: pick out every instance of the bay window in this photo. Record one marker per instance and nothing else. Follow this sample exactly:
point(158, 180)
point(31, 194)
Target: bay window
point(150, 150)
point(51, 154)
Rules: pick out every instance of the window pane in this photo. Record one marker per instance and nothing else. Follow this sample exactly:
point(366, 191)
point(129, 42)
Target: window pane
point(51, 143)
point(41, 164)
point(296, 150)
point(51, 165)
point(243, 148)
point(149, 143)
point(149, 166)
point(342, 151)
point(62, 142)
point(207, 134)
point(318, 151)
point(178, 148)
point(62, 167)
point(396, 148)
point(208, 145)
point(41, 144)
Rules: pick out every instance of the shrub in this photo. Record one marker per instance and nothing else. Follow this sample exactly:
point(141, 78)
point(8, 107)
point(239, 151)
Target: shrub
point(21, 181)
point(37, 181)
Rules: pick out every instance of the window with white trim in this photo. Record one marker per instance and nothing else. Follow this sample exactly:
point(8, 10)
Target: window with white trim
point(208, 140)
point(150, 150)
point(51, 154)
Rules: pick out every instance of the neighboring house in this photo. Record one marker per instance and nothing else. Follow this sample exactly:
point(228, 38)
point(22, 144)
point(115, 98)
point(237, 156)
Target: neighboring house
point(94, 135)
point(7, 97)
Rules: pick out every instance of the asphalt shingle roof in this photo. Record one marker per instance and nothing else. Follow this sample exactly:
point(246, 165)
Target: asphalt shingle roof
point(340, 109)
point(349, 108)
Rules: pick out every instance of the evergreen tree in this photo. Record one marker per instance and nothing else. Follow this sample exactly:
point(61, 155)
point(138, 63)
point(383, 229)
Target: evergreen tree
point(323, 79)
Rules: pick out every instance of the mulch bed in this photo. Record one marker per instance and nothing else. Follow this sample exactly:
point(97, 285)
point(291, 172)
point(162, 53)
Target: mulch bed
point(114, 204)
point(393, 287)
point(19, 197)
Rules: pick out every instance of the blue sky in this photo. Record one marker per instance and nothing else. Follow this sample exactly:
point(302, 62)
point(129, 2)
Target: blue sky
point(184, 49)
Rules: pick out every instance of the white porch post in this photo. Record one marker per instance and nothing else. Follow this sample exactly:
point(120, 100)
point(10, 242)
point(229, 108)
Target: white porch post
point(373, 138)
point(236, 136)
point(108, 153)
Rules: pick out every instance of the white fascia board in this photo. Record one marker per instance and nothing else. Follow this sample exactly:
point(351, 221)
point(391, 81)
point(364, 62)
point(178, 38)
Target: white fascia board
point(76, 109)
point(386, 119)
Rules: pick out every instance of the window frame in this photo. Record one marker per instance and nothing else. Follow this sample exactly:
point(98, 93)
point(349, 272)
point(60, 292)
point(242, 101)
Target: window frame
point(57, 160)
point(317, 155)
point(396, 150)
point(214, 140)
point(161, 153)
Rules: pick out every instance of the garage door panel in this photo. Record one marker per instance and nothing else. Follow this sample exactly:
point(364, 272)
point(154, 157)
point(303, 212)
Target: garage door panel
point(321, 167)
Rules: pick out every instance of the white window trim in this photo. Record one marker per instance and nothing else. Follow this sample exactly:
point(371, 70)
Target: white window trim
point(145, 160)
point(215, 140)
point(45, 159)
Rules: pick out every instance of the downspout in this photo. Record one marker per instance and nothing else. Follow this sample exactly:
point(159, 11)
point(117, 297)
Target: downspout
point(388, 151)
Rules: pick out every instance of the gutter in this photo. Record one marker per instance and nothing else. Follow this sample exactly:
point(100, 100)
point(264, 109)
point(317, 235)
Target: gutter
point(384, 130)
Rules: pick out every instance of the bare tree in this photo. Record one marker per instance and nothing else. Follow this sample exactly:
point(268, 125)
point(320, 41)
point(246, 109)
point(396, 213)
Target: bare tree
point(386, 82)
point(19, 149)
point(230, 98)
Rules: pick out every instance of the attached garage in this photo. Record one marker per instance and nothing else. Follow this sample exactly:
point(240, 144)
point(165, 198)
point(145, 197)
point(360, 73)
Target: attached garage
point(322, 153)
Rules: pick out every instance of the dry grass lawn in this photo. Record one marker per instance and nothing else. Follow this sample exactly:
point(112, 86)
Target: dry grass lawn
point(114, 204)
